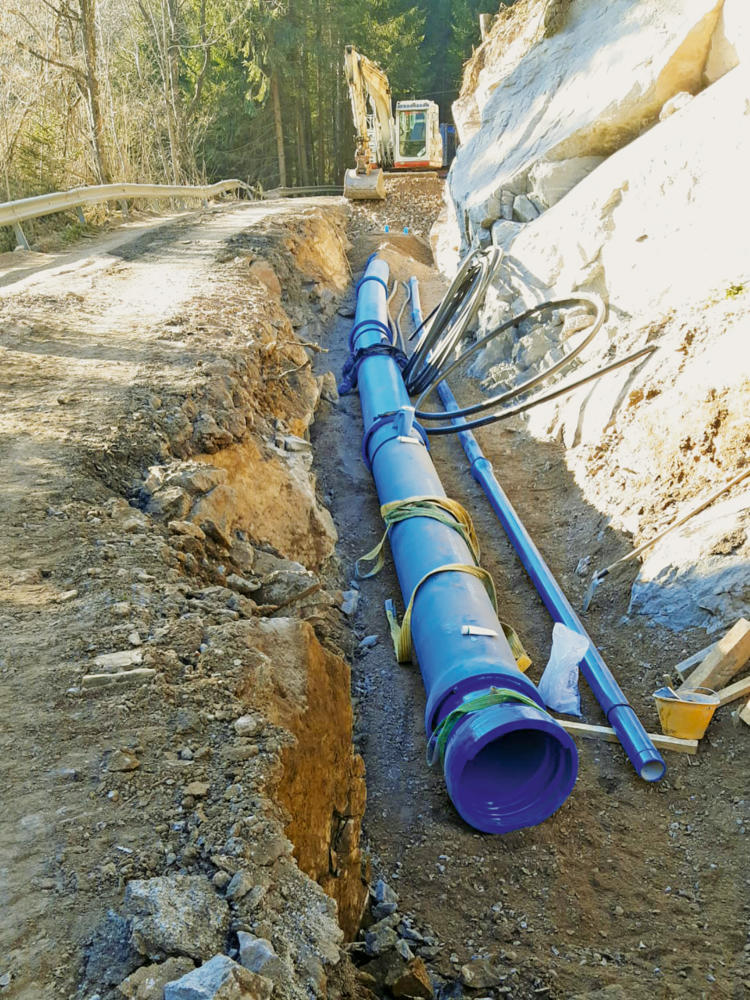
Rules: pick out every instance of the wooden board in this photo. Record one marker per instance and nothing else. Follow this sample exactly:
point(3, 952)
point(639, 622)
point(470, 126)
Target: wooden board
point(610, 736)
point(722, 663)
point(693, 661)
point(735, 691)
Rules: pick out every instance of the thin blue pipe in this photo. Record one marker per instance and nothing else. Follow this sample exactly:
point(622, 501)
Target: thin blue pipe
point(507, 766)
point(621, 716)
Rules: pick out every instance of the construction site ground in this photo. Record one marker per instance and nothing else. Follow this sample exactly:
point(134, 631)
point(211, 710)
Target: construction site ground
point(632, 890)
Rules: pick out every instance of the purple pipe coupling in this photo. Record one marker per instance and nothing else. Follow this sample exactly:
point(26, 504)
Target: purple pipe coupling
point(507, 763)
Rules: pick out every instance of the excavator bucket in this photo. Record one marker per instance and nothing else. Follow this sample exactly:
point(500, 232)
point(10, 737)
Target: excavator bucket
point(364, 186)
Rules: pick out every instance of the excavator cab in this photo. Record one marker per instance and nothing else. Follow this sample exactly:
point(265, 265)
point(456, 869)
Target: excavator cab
point(419, 144)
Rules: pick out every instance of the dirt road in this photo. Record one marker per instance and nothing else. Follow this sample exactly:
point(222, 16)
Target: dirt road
point(109, 358)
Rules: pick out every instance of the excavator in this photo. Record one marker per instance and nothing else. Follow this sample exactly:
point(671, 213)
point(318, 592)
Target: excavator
point(410, 141)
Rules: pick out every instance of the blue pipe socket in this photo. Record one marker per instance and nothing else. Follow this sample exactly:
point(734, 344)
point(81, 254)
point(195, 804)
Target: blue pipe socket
point(506, 766)
point(621, 716)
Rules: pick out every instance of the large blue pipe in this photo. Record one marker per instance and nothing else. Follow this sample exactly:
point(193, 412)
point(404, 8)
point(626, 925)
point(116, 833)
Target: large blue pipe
point(506, 766)
point(636, 742)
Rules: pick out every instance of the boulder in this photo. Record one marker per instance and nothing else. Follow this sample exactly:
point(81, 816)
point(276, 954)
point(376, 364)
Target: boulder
point(219, 979)
point(552, 180)
point(176, 915)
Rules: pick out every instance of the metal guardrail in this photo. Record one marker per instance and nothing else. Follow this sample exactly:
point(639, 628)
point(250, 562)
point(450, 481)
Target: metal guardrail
point(301, 192)
point(13, 213)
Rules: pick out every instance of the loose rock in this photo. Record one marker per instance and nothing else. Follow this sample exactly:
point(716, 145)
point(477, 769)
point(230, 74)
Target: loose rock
point(413, 982)
point(258, 955)
point(176, 915)
point(148, 982)
point(480, 974)
point(219, 979)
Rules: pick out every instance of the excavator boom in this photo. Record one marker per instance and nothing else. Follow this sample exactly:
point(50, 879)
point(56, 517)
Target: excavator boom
point(375, 142)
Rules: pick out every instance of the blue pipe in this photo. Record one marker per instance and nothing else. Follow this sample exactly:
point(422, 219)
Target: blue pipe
point(642, 753)
point(506, 766)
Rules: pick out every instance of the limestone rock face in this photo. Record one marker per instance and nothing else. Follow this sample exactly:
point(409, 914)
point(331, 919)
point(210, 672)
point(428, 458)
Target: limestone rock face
point(589, 89)
point(622, 231)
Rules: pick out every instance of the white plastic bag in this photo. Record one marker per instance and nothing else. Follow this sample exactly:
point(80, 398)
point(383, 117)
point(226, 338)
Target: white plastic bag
point(559, 684)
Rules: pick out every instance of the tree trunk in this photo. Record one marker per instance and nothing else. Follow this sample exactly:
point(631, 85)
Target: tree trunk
point(276, 100)
point(93, 97)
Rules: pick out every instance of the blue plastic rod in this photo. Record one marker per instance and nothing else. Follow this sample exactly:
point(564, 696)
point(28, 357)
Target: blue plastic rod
point(506, 766)
point(642, 753)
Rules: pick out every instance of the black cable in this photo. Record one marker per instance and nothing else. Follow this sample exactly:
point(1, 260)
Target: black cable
point(545, 397)
point(452, 319)
point(427, 365)
point(519, 390)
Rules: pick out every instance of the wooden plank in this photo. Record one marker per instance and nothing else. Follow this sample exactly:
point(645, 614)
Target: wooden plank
point(610, 736)
point(735, 691)
point(731, 654)
point(692, 661)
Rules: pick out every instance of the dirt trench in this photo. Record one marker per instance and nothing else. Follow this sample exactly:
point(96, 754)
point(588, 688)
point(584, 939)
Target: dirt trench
point(630, 890)
point(185, 490)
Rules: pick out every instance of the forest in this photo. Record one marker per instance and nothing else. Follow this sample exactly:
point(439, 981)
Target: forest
point(180, 91)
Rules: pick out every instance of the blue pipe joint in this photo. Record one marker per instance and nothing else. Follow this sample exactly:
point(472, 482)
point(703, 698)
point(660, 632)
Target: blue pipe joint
point(506, 765)
point(509, 766)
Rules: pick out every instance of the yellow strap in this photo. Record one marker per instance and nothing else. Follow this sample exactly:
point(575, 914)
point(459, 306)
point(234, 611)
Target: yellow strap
point(522, 658)
point(419, 506)
point(401, 634)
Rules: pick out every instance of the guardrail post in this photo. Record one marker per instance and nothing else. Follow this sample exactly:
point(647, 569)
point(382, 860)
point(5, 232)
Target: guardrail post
point(81, 216)
point(20, 236)
point(124, 209)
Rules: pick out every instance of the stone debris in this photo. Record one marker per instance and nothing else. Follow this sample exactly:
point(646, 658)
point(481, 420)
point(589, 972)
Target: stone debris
point(219, 979)
point(110, 955)
point(148, 982)
point(176, 915)
point(414, 982)
point(350, 602)
point(247, 725)
point(523, 209)
point(140, 675)
point(258, 955)
point(480, 974)
point(239, 886)
point(123, 760)
point(110, 663)
point(243, 586)
point(386, 900)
